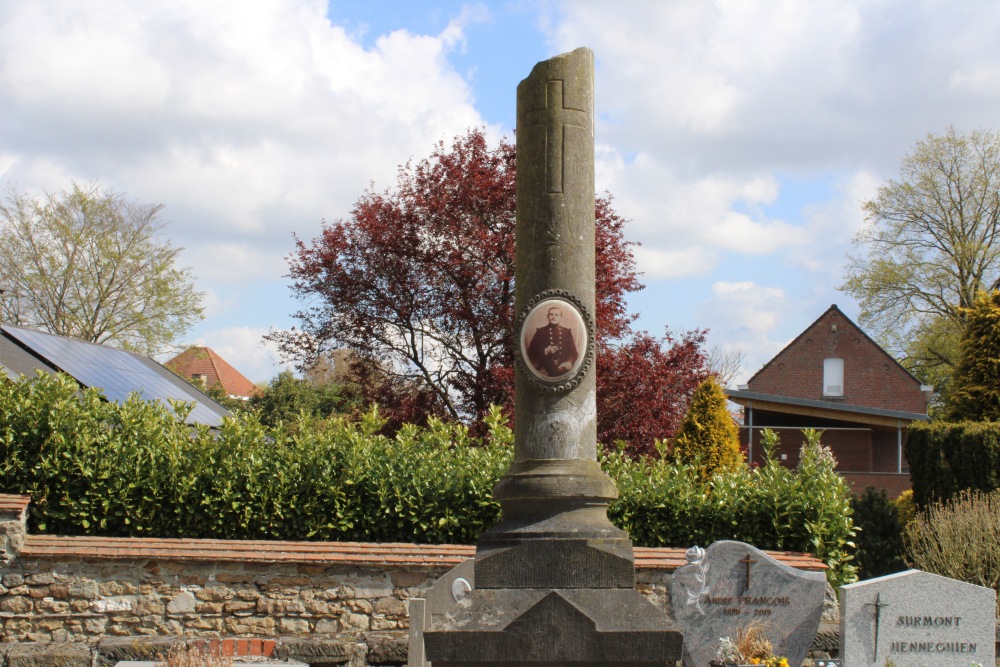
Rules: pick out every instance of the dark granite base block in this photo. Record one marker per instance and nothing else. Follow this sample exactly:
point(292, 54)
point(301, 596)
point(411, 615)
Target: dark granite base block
point(567, 626)
point(557, 563)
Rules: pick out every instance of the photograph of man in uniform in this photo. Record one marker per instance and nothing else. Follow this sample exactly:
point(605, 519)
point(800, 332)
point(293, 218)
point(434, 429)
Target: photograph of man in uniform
point(552, 351)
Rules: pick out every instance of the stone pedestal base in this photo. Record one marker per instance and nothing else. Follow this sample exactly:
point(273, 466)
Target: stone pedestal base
point(533, 627)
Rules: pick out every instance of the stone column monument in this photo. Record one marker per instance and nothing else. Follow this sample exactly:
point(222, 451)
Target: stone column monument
point(555, 580)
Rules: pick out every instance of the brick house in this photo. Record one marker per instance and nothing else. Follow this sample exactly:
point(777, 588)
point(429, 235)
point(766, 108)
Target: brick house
point(205, 367)
point(835, 378)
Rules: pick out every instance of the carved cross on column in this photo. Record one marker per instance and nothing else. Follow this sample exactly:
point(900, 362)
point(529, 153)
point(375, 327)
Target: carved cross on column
point(555, 124)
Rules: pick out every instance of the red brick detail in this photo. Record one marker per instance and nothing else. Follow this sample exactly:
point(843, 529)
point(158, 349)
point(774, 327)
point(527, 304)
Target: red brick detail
point(872, 378)
point(11, 504)
point(236, 647)
point(355, 554)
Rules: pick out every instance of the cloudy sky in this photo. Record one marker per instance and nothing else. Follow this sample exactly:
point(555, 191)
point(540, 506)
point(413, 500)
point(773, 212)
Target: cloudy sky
point(738, 136)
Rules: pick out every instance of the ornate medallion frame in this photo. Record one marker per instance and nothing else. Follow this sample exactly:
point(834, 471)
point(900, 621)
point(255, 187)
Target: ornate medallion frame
point(570, 380)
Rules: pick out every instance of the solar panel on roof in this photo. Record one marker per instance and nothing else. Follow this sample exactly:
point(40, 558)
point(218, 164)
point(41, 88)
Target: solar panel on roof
point(117, 372)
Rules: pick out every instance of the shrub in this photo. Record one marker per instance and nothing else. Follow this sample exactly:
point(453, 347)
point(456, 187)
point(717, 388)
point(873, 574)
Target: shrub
point(958, 538)
point(975, 386)
point(906, 508)
point(879, 543)
point(135, 469)
point(945, 458)
point(668, 503)
point(708, 437)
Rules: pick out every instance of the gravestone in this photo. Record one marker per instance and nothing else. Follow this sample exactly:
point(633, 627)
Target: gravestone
point(732, 585)
point(917, 619)
point(440, 597)
point(555, 580)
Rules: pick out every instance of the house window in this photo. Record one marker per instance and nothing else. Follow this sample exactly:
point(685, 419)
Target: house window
point(833, 377)
point(200, 379)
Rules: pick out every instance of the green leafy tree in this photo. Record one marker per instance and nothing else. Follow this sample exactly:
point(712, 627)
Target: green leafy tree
point(931, 241)
point(975, 394)
point(286, 397)
point(708, 436)
point(95, 266)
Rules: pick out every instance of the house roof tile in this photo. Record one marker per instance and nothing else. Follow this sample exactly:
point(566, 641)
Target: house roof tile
point(217, 371)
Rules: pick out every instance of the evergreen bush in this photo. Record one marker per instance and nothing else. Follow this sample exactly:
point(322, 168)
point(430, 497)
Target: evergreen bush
point(945, 458)
point(879, 542)
point(135, 469)
point(975, 386)
point(708, 437)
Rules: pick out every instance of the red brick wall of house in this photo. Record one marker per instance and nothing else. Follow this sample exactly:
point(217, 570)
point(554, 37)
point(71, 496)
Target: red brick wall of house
point(892, 483)
point(851, 447)
point(871, 377)
point(886, 452)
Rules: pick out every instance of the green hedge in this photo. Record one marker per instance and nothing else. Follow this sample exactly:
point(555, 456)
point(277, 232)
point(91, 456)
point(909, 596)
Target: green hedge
point(948, 457)
point(93, 467)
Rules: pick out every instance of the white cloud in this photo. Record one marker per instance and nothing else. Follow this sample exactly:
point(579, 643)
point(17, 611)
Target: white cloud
point(831, 225)
point(247, 120)
point(747, 317)
point(654, 263)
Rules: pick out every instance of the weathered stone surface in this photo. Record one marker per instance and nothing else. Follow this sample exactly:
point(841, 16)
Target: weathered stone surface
point(184, 603)
point(554, 579)
point(52, 654)
point(327, 626)
point(85, 589)
point(386, 648)
point(314, 650)
point(917, 619)
point(827, 638)
point(295, 626)
point(731, 585)
point(390, 607)
point(16, 604)
point(111, 650)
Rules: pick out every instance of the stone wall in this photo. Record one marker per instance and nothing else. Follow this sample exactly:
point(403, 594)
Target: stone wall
point(104, 599)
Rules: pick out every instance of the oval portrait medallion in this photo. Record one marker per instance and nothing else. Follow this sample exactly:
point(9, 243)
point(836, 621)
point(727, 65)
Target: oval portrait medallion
point(553, 340)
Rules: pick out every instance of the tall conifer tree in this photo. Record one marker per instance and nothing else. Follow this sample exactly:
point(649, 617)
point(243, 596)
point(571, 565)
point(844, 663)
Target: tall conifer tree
point(975, 392)
point(708, 436)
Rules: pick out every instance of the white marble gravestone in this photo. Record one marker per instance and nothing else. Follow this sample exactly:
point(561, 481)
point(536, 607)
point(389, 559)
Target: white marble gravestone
point(917, 619)
point(732, 585)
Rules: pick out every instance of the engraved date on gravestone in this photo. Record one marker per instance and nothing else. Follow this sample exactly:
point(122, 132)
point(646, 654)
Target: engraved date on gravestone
point(750, 605)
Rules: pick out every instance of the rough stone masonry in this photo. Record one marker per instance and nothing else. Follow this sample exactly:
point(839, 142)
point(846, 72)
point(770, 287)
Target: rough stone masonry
point(555, 580)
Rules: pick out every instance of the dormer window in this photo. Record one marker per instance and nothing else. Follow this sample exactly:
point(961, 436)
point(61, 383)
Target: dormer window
point(833, 377)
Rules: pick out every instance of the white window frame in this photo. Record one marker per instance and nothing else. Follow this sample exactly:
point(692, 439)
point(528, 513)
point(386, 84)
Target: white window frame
point(833, 377)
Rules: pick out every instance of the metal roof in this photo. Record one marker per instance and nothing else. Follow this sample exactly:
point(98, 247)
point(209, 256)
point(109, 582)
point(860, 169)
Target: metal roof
point(837, 409)
point(117, 373)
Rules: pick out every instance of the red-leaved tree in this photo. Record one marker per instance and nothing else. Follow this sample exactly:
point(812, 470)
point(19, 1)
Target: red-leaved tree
point(644, 387)
point(418, 284)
